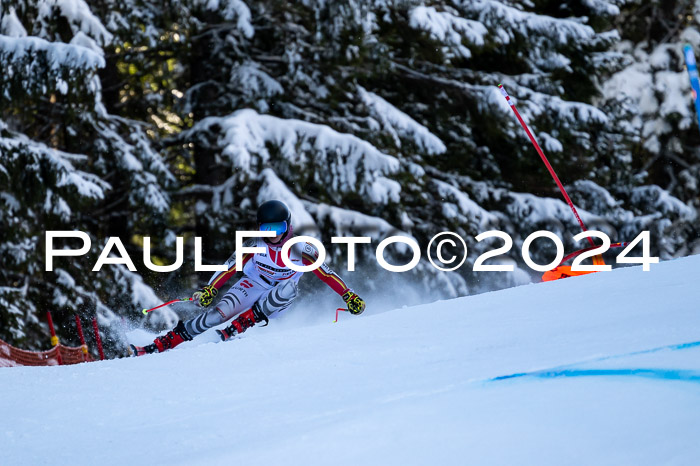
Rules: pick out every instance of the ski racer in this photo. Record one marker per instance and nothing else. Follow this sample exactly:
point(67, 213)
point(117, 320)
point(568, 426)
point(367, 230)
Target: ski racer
point(267, 287)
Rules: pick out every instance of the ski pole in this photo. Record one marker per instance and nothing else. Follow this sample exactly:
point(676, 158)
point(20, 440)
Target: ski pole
point(544, 159)
point(146, 311)
point(336, 313)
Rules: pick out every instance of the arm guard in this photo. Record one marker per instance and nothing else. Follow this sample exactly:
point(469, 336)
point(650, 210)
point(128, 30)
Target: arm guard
point(327, 276)
point(219, 278)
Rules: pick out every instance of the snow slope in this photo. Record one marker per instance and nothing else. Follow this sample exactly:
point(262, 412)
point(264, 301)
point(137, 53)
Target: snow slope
point(602, 369)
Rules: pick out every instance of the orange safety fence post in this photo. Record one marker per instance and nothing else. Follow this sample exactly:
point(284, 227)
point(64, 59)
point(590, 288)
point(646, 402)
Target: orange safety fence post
point(83, 345)
point(98, 339)
point(54, 339)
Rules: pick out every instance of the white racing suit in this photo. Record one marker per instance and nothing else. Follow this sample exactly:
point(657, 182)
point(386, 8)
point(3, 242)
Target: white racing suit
point(267, 286)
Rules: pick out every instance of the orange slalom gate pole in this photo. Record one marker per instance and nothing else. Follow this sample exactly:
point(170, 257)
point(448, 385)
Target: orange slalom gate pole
point(83, 346)
point(98, 339)
point(54, 338)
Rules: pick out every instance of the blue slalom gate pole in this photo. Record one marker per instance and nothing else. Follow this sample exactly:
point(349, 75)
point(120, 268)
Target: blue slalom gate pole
point(693, 73)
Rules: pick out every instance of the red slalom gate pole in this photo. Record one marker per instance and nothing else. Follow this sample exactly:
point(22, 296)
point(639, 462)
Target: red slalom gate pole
point(544, 159)
point(83, 345)
point(54, 338)
point(98, 339)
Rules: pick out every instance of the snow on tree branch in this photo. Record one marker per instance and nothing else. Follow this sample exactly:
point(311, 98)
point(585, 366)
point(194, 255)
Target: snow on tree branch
point(603, 7)
point(397, 123)
point(346, 222)
point(33, 154)
point(343, 161)
point(79, 17)
point(448, 28)
point(652, 93)
point(250, 79)
point(58, 54)
point(538, 103)
point(533, 209)
point(507, 21)
point(230, 10)
point(11, 26)
point(458, 206)
point(660, 202)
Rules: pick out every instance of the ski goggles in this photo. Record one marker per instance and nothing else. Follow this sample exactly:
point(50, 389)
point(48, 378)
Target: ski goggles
point(277, 227)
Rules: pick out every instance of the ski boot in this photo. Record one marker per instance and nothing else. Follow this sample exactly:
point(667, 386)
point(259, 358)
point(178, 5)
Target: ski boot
point(166, 342)
point(242, 323)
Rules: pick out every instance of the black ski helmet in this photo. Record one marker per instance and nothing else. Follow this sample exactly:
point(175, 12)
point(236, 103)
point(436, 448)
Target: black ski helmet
point(274, 211)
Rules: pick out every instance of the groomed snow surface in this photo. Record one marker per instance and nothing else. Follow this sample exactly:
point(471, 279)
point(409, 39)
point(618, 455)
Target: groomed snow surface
point(597, 370)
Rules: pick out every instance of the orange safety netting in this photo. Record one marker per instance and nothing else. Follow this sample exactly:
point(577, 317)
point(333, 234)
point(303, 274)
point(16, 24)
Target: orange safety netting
point(11, 356)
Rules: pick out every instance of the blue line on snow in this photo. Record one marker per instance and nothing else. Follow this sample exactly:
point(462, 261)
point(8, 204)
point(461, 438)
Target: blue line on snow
point(568, 371)
point(664, 374)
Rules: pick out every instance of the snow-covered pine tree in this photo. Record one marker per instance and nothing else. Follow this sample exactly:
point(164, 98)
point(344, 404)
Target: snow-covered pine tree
point(67, 164)
point(416, 83)
point(652, 101)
